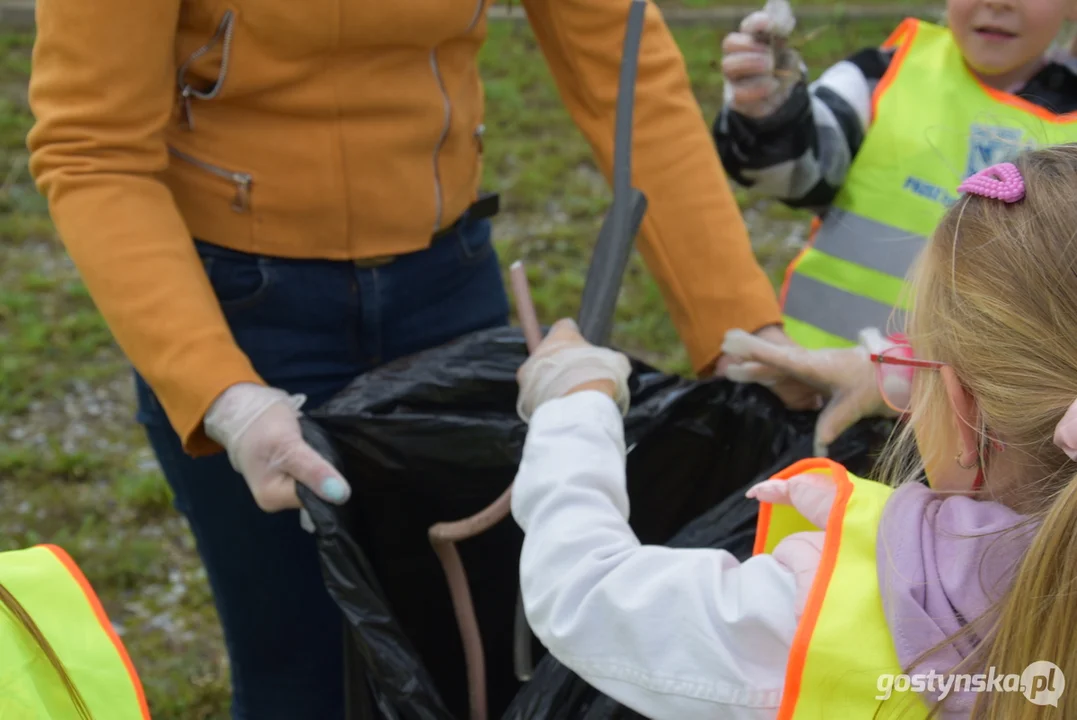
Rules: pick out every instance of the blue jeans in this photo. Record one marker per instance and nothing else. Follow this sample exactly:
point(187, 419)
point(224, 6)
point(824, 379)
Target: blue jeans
point(308, 327)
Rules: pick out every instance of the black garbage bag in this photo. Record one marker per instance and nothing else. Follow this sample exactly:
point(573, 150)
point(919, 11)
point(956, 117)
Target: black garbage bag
point(435, 437)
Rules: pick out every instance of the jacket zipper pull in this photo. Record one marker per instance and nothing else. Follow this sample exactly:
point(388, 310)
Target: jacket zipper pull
point(186, 111)
point(242, 201)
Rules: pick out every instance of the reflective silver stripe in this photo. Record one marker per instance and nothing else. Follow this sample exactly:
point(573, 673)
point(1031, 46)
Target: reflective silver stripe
point(871, 244)
point(838, 312)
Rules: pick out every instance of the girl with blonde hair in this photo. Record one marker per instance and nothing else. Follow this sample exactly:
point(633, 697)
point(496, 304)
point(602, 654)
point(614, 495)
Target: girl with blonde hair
point(863, 599)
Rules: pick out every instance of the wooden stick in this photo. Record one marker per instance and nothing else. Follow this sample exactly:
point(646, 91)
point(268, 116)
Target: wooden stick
point(444, 536)
point(525, 307)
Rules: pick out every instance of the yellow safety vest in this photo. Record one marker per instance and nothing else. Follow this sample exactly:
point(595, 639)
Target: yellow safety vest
point(933, 124)
point(55, 593)
point(843, 643)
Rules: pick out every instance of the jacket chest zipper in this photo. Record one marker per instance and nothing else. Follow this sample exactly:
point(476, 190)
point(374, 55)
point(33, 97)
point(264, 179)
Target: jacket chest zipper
point(479, 132)
point(223, 34)
point(439, 201)
point(242, 201)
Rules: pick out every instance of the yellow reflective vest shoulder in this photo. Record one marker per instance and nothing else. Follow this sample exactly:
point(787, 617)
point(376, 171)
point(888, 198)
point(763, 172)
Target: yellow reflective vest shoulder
point(842, 644)
point(56, 595)
point(933, 124)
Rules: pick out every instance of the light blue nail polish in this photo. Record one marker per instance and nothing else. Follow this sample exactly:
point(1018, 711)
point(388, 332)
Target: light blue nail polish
point(335, 489)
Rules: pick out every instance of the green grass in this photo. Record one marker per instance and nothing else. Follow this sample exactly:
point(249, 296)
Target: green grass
point(74, 467)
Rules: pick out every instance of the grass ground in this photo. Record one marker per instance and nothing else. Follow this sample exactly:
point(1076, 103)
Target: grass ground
point(75, 470)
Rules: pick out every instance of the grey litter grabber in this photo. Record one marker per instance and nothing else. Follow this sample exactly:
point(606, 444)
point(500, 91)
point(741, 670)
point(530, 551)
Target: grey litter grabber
point(614, 246)
point(605, 275)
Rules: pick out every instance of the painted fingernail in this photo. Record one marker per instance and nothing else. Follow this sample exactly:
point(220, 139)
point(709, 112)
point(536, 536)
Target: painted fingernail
point(335, 489)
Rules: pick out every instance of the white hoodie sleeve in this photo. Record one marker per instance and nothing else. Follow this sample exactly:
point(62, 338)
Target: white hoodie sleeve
point(674, 634)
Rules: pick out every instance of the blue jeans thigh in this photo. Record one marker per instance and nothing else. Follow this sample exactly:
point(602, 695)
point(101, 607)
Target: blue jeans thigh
point(309, 327)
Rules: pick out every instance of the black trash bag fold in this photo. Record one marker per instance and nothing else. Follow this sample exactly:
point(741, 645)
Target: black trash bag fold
point(435, 437)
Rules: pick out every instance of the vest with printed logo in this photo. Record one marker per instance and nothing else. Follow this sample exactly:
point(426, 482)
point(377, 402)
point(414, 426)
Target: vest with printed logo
point(933, 125)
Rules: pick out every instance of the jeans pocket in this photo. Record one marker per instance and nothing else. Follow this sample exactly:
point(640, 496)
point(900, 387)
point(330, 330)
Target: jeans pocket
point(239, 280)
point(474, 243)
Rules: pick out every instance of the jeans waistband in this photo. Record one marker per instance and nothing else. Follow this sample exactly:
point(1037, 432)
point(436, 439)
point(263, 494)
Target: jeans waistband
point(487, 206)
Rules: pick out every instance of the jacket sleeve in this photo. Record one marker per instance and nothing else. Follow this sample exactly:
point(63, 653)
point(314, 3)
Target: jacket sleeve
point(801, 154)
point(693, 237)
point(101, 91)
point(674, 634)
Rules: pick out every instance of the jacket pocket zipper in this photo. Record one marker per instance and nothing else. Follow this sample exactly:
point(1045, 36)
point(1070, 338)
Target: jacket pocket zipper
point(242, 201)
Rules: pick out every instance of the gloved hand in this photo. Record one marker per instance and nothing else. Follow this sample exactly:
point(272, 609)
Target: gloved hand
point(758, 68)
point(564, 363)
point(847, 375)
point(796, 394)
point(259, 428)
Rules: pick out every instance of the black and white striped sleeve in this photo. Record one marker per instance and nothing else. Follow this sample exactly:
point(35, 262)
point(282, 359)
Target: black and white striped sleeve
point(802, 153)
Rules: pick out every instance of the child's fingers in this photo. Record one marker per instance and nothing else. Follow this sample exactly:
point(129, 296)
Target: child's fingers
point(754, 372)
point(813, 496)
point(738, 66)
point(775, 492)
point(758, 22)
point(797, 395)
point(790, 359)
point(563, 333)
point(565, 328)
point(740, 43)
point(754, 90)
point(840, 414)
point(564, 336)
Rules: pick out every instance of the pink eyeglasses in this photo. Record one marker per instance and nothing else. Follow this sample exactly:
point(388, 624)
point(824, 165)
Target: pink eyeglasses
point(893, 373)
point(898, 363)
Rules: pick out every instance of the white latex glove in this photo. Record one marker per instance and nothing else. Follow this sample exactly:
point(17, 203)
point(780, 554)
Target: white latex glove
point(847, 375)
point(795, 394)
point(563, 362)
point(758, 68)
point(259, 427)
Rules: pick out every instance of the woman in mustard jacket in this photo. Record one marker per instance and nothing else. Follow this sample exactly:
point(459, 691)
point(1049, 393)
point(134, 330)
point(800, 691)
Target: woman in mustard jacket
point(266, 199)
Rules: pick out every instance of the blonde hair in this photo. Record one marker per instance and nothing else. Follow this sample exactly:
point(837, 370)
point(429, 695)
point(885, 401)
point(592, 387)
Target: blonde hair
point(995, 297)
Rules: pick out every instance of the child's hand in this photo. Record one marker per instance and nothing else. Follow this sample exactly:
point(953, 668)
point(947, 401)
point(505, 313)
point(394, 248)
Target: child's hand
point(565, 363)
point(794, 393)
point(758, 77)
point(811, 494)
point(847, 375)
